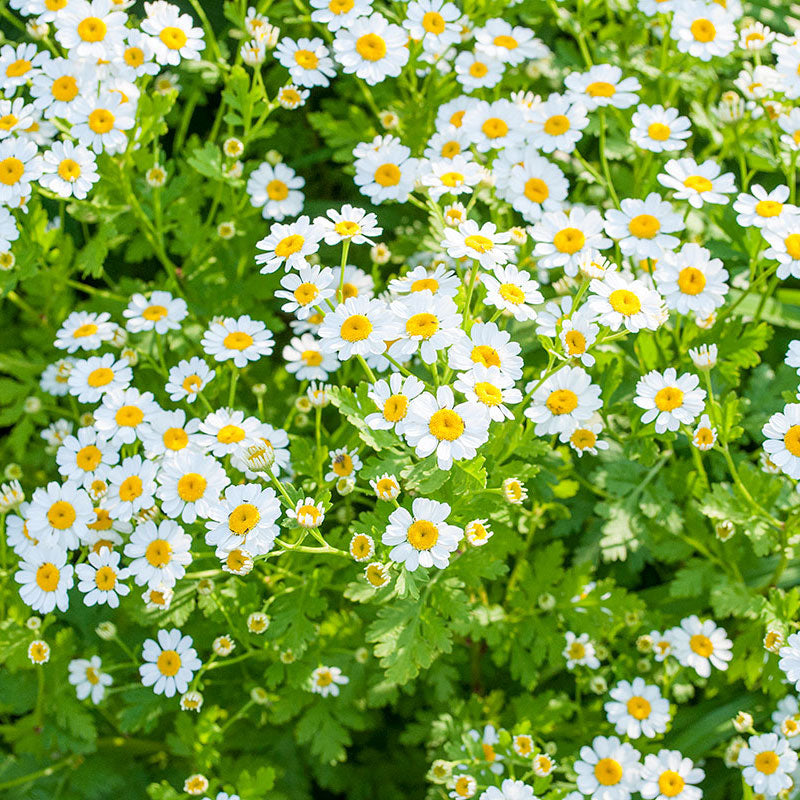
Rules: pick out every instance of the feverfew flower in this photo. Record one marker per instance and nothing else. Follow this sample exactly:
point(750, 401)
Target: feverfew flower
point(240, 340)
point(169, 663)
point(101, 578)
point(289, 245)
point(691, 281)
point(563, 239)
point(637, 709)
point(45, 578)
point(697, 183)
point(88, 678)
point(161, 313)
point(616, 301)
point(782, 440)
point(484, 244)
point(327, 680)
point(608, 769)
point(670, 400)
point(580, 651)
point(643, 228)
point(701, 645)
point(566, 399)
point(768, 762)
point(421, 537)
point(372, 48)
point(670, 776)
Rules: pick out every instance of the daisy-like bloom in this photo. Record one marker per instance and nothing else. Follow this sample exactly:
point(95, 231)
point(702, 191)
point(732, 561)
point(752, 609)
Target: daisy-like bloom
point(55, 433)
point(509, 790)
point(291, 96)
point(790, 659)
point(20, 165)
point(189, 483)
point(565, 400)
point(157, 598)
point(39, 651)
point(761, 208)
point(101, 579)
point(584, 438)
point(308, 513)
point(701, 645)
point(84, 330)
point(169, 663)
point(161, 313)
point(637, 709)
point(393, 398)
point(122, 412)
point(789, 123)
point(464, 787)
point(276, 191)
point(257, 622)
point(668, 399)
point(755, 36)
point(543, 765)
point(372, 48)
point(556, 124)
point(69, 170)
point(344, 464)
point(697, 183)
point(453, 176)
point(16, 117)
point(484, 244)
point(8, 231)
point(490, 387)
point(385, 487)
point(602, 85)
point(307, 60)
point(45, 578)
point(422, 536)
point(768, 762)
point(670, 776)
point(11, 496)
point(447, 144)
point(782, 440)
point(58, 515)
point(477, 70)
point(351, 224)
point(478, 532)
point(306, 360)
point(195, 784)
point(535, 186)
point(327, 680)
point(643, 228)
point(691, 281)
point(136, 57)
point(362, 547)
point(608, 770)
point(705, 435)
point(523, 745)
point(564, 238)
point(514, 492)
point(357, 327)
point(338, 14)
point(386, 172)
point(784, 239)
point(91, 378)
point(131, 487)
point(90, 28)
point(174, 35)
point(100, 121)
point(223, 645)
point(616, 301)
point(241, 340)
point(288, 245)
point(513, 290)
point(434, 23)
point(81, 456)
point(187, 378)
point(19, 64)
point(580, 651)
point(510, 44)
point(168, 433)
point(424, 324)
point(89, 680)
point(438, 425)
point(659, 129)
point(159, 554)
point(377, 574)
point(578, 334)
point(703, 30)
point(493, 126)
point(486, 344)
point(357, 283)
point(192, 701)
point(436, 279)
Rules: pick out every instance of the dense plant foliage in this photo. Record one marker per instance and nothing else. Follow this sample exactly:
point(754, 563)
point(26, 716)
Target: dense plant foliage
point(399, 399)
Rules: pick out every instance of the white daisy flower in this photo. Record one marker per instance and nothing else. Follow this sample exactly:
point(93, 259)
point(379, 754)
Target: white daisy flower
point(241, 340)
point(424, 324)
point(535, 186)
point(159, 555)
point(697, 183)
point(188, 378)
point(513, 290)
point(438, 425)
point(59, 83)
point(338, 14)
point(16, 116)
point(705, 435)
point(453, 176)
point(616, 301)
point(307, 290)
point(484, 244)
point(169, 663)
point(21, 63)
point(372, 48)
point(168, 432)
point(563, 239)
point(84, 330)
point(761, 208)
point(82, 456)
point(101, 578)
point(45, 578)
point(175, 36)
point(131, 487)
point(386, 172)
point(577, 335)
point(434, 23)
point(350, 224)
point(344, 464)
point(643, 228)
point(89, 379)
point(509, 790)
point(438, 280)
point(276, 191)
point(782, 435)
point(244, 518)
point(477, 533)
point(90, 29)
point(446, 144)
point(768, 763)
point(327, 680)
point(608, 770)
point(161, 313)
point(669, 399)
point(289, 245)
point(510, 44)
point(88, 678)
point(306, 360)
point(494, 126)
point(691, 281)
point(308, 513)
point(584, 438)
point(659, 129)
point(556, 124)
point(122, 412)
point(486, 344)
point(359, 326)
point(490, 387)
point(637, 709)
point(393, 398)
point(307, 60)
point(563, 401)
point(136, 57)
point(602, 85)
point(703, 30)
point(422, 536)
point(20, 166)
point(476, 70)
point(100, 121)
point(58, 515)
point(784, 239)
point(670, 776)
point(188, 483)
point(701, 645)
point(68, 170)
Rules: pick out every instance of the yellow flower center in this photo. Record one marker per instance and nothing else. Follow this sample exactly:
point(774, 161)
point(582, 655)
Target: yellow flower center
point(174, 38)
point(511, 293)
point(158, 553)
point(556, 125)
point(701, 645)
point(169, 662)
point(64, 88)
point(536, 190)
point(103, 522)
point(452, 179)
point(61, 515)
point(92, 29)
point(433, 22)
point(395, 408)
point(562, 401)
point(576, 343)
point(313, 358)
point(691, 281)
point(509, 42)
point(8, 121)
point(659, 131)
point(792, 244)
point(191, 487)
point(347, 228)
point(243, 519)
point(16, 69)
point(450, 149)
point(601, 89)
point(105, 579)
point(230, 434)
point(340, 6)
point(87, 458)
point(306, 59)
point(608, 772)
point(423, 325)
point(446, 425)
point(644, 226)
point(768, 208)
point(388, 175)
point(705, 436)
point(355, 328)
point(371, 47)
point(625, 302)
point(191, 384)
point(129, 416)
point(11, 170)
point(477, 69)
point(703, 30)
point(767, 762)
point(342, 465)
point(569, 240)
point(133, 56)
point(422, 534)
point(431, 284)
point(495, 128)
point(238, 340)
point(670, 783)
point(154, 313)
point(175, 438)
point(698, 183)
point(488, 393)
point(101, 120)
point(47, 576)
point(486, 355)
point(583, 438)
point(639, 708)
point(85, 330)
point(669, 398)
point(481, 244)
point(101, 376)
point(130, 489)
point(305, 293)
